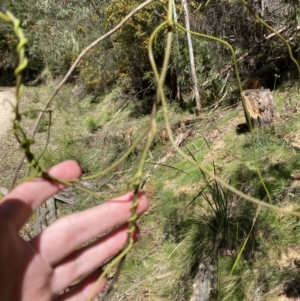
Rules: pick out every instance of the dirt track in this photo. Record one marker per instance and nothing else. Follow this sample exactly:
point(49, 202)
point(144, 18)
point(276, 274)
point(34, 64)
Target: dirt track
point(7, 99)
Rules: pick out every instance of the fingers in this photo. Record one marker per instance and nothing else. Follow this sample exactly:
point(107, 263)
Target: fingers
point(70, 232)
point(19, 204)
point(83, 290)
point(87, 259)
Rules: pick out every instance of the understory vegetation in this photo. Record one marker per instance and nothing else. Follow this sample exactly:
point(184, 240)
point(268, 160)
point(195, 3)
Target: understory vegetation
point(57, 32)
point(194, 225)
point(198, 238)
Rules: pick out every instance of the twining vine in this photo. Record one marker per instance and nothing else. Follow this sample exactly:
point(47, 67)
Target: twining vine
point(25, 141)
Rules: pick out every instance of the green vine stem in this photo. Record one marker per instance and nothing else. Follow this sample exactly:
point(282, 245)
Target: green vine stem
point(24, 142)
point(190, 160)
point(247, 117)
point(249, 123)
point(119, 260)
point(149, 132)
point(72, 68)
point(81, 55)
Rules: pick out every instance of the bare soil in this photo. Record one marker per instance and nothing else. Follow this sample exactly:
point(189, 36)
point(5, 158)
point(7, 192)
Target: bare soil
point(7, 101)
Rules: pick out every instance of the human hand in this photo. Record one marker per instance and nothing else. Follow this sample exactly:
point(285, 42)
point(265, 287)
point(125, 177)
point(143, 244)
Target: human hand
point(42, 268)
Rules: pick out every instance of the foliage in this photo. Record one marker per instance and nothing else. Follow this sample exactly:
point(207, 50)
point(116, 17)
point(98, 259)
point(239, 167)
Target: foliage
point(132, 41)
point(59, 30)
point(221, 221)
point(217, 228)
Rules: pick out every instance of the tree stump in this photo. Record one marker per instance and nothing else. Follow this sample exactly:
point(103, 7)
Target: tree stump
point(205, 283)
point(41, 218)
point(46, 213)
point(260, 106)
point(50, 203)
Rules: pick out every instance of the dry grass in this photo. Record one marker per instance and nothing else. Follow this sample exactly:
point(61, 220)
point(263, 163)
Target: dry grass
point(152, 267)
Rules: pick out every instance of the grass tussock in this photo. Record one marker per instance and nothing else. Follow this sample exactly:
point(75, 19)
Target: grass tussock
point(193, 224)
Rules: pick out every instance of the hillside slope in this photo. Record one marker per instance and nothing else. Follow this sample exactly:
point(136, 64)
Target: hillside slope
point(193, 224)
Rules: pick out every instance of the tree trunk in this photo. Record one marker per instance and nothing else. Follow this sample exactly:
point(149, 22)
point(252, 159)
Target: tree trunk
point(176, 68)
point(192, 62)
point(260, 106)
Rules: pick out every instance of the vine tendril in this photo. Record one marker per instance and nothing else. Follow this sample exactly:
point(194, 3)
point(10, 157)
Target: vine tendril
point(25, 142)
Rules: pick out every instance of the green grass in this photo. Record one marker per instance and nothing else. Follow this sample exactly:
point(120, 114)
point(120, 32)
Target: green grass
point(92, 125)
point(32, 113)
point(44, 124)
point(271, 234)
point(184, 227)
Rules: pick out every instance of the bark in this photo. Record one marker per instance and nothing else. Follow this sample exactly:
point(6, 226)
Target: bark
point(46, 213)
point(41, 219)
point(52, 217)
point(260, 106)
point(192, 61)
point(176, 61)
point(204, 283)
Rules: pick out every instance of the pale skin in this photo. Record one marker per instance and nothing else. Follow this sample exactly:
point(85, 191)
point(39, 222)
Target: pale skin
point(42, 268)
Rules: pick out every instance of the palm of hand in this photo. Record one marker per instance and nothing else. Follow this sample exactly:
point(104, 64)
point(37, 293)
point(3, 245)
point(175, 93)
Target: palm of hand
point(42, 268)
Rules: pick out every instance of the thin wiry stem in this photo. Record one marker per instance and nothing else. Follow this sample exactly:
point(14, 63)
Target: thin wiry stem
point(81, 55)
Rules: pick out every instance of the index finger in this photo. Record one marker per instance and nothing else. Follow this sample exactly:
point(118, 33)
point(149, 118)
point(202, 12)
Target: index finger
point(20, 203)
point(70, 232)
